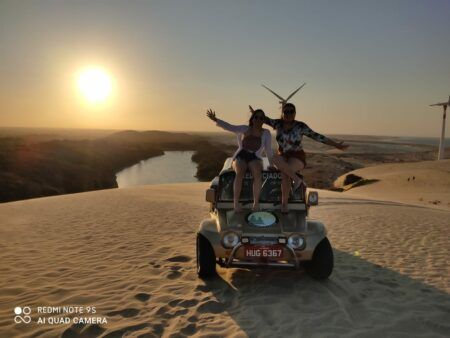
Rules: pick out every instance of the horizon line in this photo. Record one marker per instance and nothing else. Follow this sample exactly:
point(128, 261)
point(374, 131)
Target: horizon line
point(195, 131)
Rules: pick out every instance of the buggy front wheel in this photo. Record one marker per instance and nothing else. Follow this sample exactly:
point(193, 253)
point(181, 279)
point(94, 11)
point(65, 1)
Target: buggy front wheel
point(206, 258)
point(321, 265)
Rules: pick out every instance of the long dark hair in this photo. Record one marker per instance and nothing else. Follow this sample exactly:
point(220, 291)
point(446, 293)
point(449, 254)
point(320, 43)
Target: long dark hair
point(288, 105)
point(256, 111)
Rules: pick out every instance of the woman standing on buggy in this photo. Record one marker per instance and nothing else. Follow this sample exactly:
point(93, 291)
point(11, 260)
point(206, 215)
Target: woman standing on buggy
point(290, 157)
point(253, 140)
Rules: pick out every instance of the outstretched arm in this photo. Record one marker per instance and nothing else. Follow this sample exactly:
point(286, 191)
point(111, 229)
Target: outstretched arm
point(274, 123)
point(321, 138)
point(269, 121)
point(225, 125)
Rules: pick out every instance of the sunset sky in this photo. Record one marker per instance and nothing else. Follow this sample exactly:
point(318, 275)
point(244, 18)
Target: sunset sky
point(371, 67)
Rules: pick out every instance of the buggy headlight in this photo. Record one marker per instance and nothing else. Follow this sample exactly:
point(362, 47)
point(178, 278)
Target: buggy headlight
point(230, 239)
point(296, 241)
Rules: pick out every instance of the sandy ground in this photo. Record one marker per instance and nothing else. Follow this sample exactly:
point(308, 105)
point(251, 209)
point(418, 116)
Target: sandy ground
point(421, 183)
point(130, 253)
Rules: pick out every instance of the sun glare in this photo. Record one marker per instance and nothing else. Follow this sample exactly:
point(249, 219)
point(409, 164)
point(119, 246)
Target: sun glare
point(94, 84)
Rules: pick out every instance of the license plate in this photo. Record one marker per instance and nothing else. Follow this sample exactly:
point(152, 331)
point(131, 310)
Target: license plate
point(258, 251)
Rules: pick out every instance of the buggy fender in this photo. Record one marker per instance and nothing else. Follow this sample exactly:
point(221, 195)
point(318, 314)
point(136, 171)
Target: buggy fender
point(315, 234)
point(208, 228)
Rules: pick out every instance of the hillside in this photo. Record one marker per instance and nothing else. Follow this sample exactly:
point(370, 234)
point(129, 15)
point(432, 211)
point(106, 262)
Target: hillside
point(30, 168)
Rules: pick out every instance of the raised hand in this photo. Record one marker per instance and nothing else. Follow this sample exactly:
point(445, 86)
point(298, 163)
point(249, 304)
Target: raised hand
point(211, 114)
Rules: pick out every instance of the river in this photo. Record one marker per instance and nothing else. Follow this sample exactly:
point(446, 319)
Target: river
point(172, 167)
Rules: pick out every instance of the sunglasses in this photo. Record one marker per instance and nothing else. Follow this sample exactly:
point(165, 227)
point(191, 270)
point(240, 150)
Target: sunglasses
point(289, 112)
point(258, 117)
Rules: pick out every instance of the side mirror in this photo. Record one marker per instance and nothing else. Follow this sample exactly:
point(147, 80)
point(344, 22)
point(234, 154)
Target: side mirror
point(211, 195)
point(313, 198)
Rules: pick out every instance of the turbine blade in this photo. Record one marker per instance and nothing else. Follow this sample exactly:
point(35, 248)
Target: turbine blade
point(270, 90)
point(295, 92)
point(441, 104)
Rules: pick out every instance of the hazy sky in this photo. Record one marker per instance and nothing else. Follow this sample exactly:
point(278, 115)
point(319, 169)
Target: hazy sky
point(371, 67)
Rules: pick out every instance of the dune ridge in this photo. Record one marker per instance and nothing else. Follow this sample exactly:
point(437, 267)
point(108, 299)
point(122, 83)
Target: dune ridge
point(425, 183)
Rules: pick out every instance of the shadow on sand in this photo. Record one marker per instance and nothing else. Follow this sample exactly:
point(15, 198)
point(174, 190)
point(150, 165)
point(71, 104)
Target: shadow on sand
point(359, 299)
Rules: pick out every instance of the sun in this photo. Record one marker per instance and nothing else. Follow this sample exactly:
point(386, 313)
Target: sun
point(94, 84)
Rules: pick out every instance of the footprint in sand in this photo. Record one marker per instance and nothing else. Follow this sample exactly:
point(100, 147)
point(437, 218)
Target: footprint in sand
point(143, 297)
point(193, 319)
point(187, 303)
point(81, 330)
point(126, 330)
point(126, 313)
point(158, 329)
point(164, 250)
point(73, 331)
point(184, 303)
point(189, 329)
point(168, 313)
point(179, 259)
point(174, 275)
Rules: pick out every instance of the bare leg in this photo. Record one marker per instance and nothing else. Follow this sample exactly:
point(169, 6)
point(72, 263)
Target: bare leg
point(285, 190)
point(240, 167)
point(256, 169)
point(294, 165)
point(283, 166)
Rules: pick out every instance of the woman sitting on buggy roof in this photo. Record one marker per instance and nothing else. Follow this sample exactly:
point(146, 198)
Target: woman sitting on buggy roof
point(253, 139)
point(290, 157)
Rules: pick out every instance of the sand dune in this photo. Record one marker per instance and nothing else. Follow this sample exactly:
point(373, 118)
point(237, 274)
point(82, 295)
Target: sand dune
point(131, 254)
point(421, 183)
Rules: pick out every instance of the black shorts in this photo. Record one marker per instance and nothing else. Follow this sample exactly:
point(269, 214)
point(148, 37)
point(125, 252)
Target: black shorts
point(247, 156)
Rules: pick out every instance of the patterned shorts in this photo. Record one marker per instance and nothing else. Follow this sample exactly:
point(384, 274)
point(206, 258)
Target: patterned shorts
point(298, 154)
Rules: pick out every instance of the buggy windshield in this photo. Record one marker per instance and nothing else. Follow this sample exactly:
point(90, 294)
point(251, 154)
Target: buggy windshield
point(270, 192)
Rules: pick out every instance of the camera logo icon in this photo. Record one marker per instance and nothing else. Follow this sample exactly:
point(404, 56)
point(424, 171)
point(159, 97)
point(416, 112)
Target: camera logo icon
point(22, 314)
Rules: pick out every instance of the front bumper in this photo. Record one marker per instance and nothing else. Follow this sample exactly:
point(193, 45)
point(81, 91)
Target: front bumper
point(236, 259)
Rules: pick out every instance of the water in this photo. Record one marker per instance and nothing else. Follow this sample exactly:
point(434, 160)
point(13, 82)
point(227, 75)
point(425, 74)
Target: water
point(172, 167)
point(431, 141)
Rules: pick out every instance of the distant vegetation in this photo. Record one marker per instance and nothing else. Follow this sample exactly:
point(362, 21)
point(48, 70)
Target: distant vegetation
point(34, 164)
point(34, 169)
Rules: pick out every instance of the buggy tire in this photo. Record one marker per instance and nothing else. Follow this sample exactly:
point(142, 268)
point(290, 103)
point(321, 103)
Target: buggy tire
point(206, 258)
point(321, 265)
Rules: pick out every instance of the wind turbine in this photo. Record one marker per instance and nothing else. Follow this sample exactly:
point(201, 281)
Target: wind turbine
point(441, 142)
point(284, 101)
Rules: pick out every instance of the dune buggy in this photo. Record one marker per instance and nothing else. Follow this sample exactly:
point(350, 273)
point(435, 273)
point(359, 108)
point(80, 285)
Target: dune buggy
point(265, 238)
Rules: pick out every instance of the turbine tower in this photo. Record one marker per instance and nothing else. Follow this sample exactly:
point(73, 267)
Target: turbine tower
point(441, 142)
